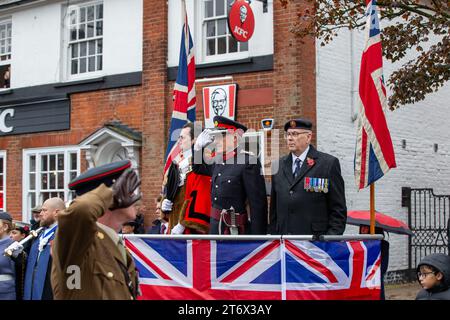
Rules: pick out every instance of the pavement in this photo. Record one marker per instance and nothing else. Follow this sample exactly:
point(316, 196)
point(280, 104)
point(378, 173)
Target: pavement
point(405, 291)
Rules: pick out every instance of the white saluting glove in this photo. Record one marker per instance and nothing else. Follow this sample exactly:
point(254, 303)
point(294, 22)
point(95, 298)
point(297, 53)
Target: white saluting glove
point(15, 248)
point(203, 140)
point(166, 205)
point(178, 229)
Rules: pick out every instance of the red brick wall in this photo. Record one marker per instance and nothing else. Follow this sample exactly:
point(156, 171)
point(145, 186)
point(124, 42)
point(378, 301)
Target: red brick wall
point(286, 92)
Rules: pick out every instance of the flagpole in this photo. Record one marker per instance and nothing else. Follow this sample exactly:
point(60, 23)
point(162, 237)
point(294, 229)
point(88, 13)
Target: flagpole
point(372, 208)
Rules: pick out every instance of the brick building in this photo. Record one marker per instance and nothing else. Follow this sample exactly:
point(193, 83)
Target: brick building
point(92, 82)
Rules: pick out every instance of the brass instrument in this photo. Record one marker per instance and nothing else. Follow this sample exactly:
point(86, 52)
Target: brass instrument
point(33, 234)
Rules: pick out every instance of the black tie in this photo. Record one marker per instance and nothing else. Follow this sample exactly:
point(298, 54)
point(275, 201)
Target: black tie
point(297, 167)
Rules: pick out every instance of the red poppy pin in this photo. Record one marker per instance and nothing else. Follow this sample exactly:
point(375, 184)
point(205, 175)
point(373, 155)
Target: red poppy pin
point(310, 162)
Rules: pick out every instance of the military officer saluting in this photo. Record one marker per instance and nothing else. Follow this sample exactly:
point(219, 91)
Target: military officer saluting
point(238, 193)
point(90, 260)
point(308, 196)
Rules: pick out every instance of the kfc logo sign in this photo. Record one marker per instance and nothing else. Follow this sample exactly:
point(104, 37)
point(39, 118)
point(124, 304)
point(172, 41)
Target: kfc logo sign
point(241, 21)
point(219, 101)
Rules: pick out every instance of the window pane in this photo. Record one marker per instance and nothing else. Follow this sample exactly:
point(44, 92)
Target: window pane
point(243, 46)
point(221, 45)
point(74, 50)
point(60, 180)
point(91, 64)
point(99, 11)
point(232, 44)
point(99, 62)
point(221, 27)
point(209, 8)
point(99, 46)
point(44, 181)
point(73, 161)
point(60, 162)
point(1, 165)
point(52, 177)
point(82, 14)
point(73, 17)
point(220, 6)
point(82, 31)
point(32, 181)
point(99, 27)
point(82, 65)
point(83, 49)
point(45, 196)
point(90, 29)
point(74, 67)
point(90, 13)
point(33, 163)
point(210, 28)
point(52, 162)
point(44, 163)
point(211, 47)
point(32, 199)
point(91, 50)
point(73, 34)
point(73, 175)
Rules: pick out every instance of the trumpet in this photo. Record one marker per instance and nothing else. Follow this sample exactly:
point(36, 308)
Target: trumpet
point(13, 246)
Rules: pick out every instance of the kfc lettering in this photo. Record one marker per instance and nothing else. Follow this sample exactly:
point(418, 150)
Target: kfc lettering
point(241, 21)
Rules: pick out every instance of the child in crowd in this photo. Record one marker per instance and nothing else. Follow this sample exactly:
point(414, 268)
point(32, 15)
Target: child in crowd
point(433, 274)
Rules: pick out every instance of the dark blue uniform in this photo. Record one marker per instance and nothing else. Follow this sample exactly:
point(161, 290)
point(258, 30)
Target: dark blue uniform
point(238, 182)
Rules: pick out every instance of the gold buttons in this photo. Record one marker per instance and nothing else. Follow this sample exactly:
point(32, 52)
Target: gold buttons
point(100, 235)
point(110, 275)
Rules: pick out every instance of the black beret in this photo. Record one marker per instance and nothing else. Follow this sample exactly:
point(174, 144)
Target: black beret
point(94, 177)
point(298, 124)
point(225, 123)
point(5, 216)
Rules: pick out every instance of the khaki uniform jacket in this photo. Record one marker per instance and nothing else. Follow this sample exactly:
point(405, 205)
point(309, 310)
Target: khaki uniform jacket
point(80, 242)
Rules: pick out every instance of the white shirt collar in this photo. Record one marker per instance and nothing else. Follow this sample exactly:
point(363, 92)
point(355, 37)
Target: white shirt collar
point(302, 157)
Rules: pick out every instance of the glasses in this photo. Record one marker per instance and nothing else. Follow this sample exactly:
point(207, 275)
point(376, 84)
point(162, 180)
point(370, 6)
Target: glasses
point(424, 274)
point(294, 134)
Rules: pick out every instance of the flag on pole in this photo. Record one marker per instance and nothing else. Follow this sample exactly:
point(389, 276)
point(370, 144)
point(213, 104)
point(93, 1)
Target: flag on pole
point(374, 154)
point(183, 93)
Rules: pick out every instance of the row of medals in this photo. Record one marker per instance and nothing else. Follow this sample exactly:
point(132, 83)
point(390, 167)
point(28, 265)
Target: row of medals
point(316, 184)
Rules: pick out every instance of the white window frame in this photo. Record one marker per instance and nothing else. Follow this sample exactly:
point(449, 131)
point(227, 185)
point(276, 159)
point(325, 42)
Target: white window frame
point(67, 71)
point(6, 21)
point(38, 152)
point(3, 159)
point(200, 29)
point(260, 135)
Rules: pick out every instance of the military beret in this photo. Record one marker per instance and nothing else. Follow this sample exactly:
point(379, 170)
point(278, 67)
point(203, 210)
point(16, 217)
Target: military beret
point(298, 124)
point(5, 216)
point(94, 177)
point(22, 228)
point(223, 123)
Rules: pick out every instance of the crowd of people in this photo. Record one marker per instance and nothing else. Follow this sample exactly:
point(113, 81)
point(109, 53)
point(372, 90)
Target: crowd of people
point(213, 186)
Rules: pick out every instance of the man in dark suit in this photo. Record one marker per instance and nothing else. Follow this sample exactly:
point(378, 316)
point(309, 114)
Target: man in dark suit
point(307, 194)
point(236, 180)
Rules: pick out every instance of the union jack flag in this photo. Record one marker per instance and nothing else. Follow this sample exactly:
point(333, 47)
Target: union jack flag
point(374, 154)
point(256, 270)
point(183, 92)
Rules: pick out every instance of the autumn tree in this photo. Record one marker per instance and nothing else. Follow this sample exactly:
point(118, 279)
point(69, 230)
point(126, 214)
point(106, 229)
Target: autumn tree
point(422, 26)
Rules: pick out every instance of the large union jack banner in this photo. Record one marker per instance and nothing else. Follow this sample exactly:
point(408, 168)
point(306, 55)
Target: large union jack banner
point(172, 269)
point(183, 92)
point(374, 154)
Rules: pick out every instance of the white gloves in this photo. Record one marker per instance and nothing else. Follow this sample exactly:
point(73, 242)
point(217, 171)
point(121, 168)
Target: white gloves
point(203, 140)
point(15, 249)
point(178, 229)
point(166, 205)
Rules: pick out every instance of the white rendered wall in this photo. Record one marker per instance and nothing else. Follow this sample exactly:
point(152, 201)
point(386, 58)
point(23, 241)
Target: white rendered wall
point(38, 41)
point(421, 125)
point(260, 44)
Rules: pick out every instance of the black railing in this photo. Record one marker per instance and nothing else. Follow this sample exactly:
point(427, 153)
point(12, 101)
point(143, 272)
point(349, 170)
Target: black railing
point(428, 219)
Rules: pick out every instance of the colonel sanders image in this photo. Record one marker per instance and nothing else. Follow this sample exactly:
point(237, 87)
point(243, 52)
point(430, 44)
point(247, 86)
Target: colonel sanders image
point(219, 101)
point(243, 14)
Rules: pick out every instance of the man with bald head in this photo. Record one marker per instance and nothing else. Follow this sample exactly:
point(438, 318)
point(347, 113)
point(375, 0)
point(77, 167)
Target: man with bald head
point(37, 275)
